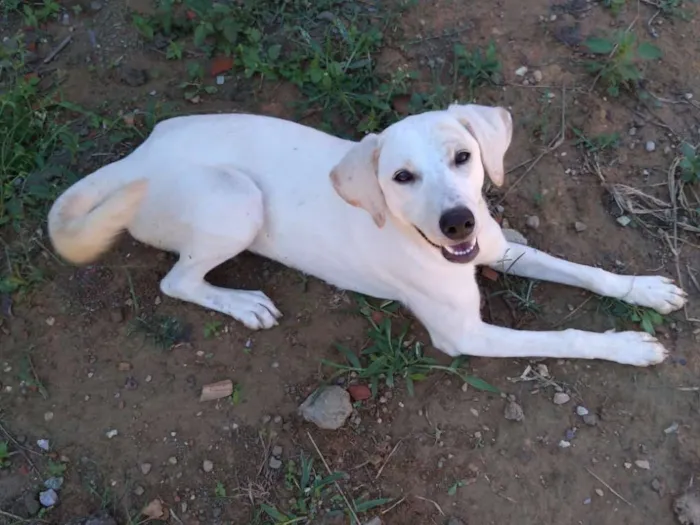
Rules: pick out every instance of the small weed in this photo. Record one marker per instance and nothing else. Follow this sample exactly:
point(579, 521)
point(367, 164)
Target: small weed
point(164, 331)
point(597, 144)
point(615, 6)
point(690, 164)
point(313, 494)
point(55, 468)
point(479, 67)
point(220, 490)
point(673, 8)
point(212, 328)
point(646, 318)
point(619, 55)
point(237, 396)
point(391, 356)
point(521, 291)
point(35, 14)
point(4, 455)
point(456, 485)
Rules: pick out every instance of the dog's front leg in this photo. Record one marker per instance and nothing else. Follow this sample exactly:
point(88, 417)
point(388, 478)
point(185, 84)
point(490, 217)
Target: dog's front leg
point(485, 340)
point(659, 293)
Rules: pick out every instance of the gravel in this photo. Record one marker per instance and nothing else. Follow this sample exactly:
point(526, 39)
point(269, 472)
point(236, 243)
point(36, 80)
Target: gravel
point(328, 409)
point(514, 412)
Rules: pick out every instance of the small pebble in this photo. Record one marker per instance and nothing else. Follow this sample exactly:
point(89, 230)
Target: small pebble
point(48, 498)
point(642, 464)
point(266, 419)
point(600, 492)
point(521, 71)
point(48, 416)
point(54, 483)
point(580, 226)
point(533, 222)
point(275, 463)
point(564, 444)
point(581, 411)
point(139, 490)
point(623, 220)
point(570, 434)
point(672, 429)
point(112, 433)
point(207, 466)
point(650, 146)
point(561, 398)
point(277, 451)
point(587, 501)
point(172, 460)
point(590, 419)
point(537, 75)
point(43, 444)
point(514, 412)
point(146, 468)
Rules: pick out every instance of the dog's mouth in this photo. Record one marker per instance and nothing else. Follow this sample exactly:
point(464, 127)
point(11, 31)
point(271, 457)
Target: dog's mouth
point(463, 252)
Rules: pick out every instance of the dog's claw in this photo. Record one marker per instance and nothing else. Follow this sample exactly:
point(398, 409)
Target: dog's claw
point(659, 293)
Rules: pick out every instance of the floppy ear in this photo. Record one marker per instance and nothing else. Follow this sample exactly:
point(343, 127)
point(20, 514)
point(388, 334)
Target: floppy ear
point(493, 129)
point(355, 178)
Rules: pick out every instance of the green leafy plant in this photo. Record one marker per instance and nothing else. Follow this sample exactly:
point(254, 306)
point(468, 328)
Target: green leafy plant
point(164, 331)
point(4, 455)
point(220, 490)
point(690, 163)
point(618, 65)
point(597, 144)
point(615, 6)
point(391, 357)
point(478, 66)
point(646, 318)
point(212, 328)
point(312, 494)
point(56, 468)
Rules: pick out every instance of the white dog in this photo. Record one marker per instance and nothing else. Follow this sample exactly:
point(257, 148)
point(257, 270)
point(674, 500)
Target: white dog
point(399, 215)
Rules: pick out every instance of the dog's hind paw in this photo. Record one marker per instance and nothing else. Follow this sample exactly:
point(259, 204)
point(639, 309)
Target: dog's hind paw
point(659, 293)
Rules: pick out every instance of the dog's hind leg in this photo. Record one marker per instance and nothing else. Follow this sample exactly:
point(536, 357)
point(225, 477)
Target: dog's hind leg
point(220, 218)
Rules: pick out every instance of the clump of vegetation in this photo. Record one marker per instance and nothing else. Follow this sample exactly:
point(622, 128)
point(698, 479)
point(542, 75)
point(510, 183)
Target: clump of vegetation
point(690, 164)
point(617, 60)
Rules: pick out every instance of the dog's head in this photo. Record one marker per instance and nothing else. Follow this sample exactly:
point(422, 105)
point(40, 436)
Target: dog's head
point(427, 171)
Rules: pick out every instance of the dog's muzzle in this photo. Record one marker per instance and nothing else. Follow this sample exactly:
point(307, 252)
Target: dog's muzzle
point(462, 253)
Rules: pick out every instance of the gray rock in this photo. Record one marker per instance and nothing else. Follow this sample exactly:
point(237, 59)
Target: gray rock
point(54, 483)
point(48, 498)
point(207, 465)
point(95, 5)
point(146, 468)
point(277, 451)
point(590, 419)
point(533, 221)
point(687, 508)
point(275, 463)
point(514, 412)
point(327, 409)
point(561, 398)
point(580, 226)
point(650, 146)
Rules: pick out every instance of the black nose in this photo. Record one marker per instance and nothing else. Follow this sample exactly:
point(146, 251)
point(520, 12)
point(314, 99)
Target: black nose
point(458, 223)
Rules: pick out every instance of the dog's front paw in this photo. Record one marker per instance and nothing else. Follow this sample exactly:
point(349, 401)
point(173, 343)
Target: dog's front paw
point(659, 293)
point(252, 308)
point(638, 349)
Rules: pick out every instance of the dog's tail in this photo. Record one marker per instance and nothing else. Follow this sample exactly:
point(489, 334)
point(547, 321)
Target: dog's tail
point(86, 219)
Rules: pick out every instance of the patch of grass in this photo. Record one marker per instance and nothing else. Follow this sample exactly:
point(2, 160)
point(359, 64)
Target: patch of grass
point(690, 163)
point(4, 455)
point(212, 328)
point(598, 143)
point(327, 49)
point(673, 8)
point(625, 313)
point(313, 494)
point(478, 66)
point(617, 60)
point(236, 397)
point(391, 357)
point(521, 291)
point(56, 468)
point(163, 331)
point(220, 490)
point(615, 6)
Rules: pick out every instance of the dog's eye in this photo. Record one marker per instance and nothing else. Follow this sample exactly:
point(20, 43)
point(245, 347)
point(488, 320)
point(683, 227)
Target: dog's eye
point(404, 177)
point(462, 157)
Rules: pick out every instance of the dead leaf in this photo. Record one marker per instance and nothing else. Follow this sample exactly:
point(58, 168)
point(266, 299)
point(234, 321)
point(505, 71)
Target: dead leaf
point(217, 390)
point(155, 510)
point(489, 273)
point(221, 65)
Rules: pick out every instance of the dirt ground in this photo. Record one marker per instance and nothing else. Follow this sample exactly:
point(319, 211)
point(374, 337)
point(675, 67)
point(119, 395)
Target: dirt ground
point(74, 367)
